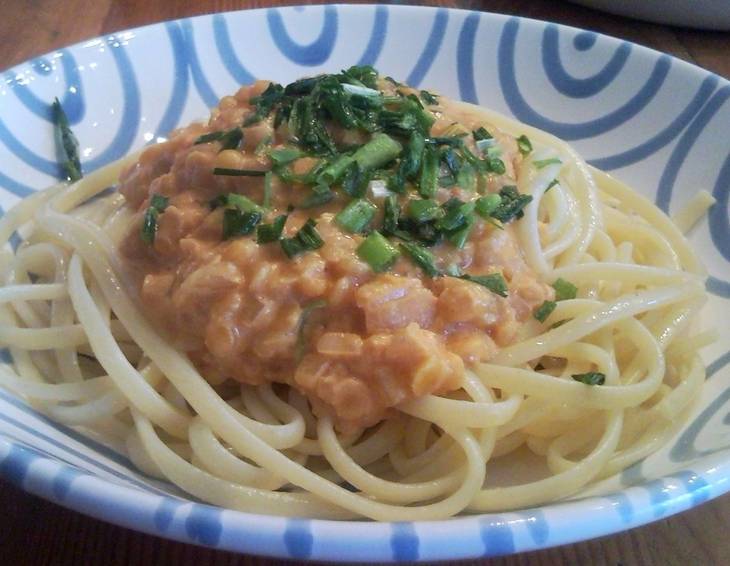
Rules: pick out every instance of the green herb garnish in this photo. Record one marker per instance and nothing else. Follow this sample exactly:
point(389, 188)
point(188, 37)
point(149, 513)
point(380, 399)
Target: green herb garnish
point(229, 138)
point(356, 215)
point(377, 252)
point(158, 204)
point(494, 282)
point(429, 98)
point(544, 310)
point(67, 146)
point(306, 239)
point(564, 290)
point(228, 172)
point(590, 378)
point(511, 204)
point(267, 233)
point(524, 144)
point(541, 163)
point(421, 257)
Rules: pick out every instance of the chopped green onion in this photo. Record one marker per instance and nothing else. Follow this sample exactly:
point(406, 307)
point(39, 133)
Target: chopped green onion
point(429, 98)
point(306, 239)
point(158, 204)
point(391, 215)
point(242, 203)
point(540, 163)
point(481, 134)
point(428, 182)
point(377, 252)
point(486, 205)
point(356, 180)
point(590, 378)
point(423, 210)
point(356, 215)
point(552, 184)
point(266, 233)
point(511, 205)
point(284, 155)
point(229, 138)
point(225, 171)
point(411, 162)
point(301, 330)
point(564, 290)
point(237, 223)
point(457, 214)
point(321, 194)
point(460, 236)
point(544, 310)
point(67, 146)
point(494, 282)
point(379, 151)
point(421, 257)
point(267, 189)
point(524, 144)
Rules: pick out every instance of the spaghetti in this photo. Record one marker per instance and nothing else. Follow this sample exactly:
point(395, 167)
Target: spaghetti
point(86, 354)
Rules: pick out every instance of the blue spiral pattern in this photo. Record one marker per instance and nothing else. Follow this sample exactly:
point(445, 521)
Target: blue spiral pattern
point(56, 462)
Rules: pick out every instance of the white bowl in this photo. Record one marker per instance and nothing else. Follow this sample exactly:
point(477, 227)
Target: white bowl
point(654, 121)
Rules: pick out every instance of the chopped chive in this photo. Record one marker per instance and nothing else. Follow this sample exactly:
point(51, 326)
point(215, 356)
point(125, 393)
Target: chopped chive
point(306, 239)
point(423, 210)
point(391, 214)
point(411, 162)
point(564, 290)
point(356, 180)
point(494, 282)
point(590, 378)
point(551, 185)
point(486, 205)
point(267, 233)
point(457, 214)
point(229, 138)
point(429, 98)
point(225, 171)
point(428, 183)
point(149, 225)
point(459, 237)
point(524, 144)
point(307, 310)
point(321, 194)
point(356, 215)
point(421, 257)
point(158, 204)
point(243, 203)
point(67, 146)
point(511, 205)
point(379, 151)
point(377, 252)
point(540, 163)
point(209, 137)
point(237, 223)
point(481, 133)
point(267, 189)
point(285, 155)
point(544, 310)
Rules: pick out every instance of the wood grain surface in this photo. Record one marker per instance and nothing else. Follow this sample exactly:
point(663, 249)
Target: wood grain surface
point(33, 531)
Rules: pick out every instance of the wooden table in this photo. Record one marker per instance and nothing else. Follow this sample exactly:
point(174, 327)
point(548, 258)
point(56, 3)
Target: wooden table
point(33, 531)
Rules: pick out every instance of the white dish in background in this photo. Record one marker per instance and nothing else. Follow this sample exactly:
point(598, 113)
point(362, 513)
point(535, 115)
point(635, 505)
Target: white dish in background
point(703, 14)
point(656, 122)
